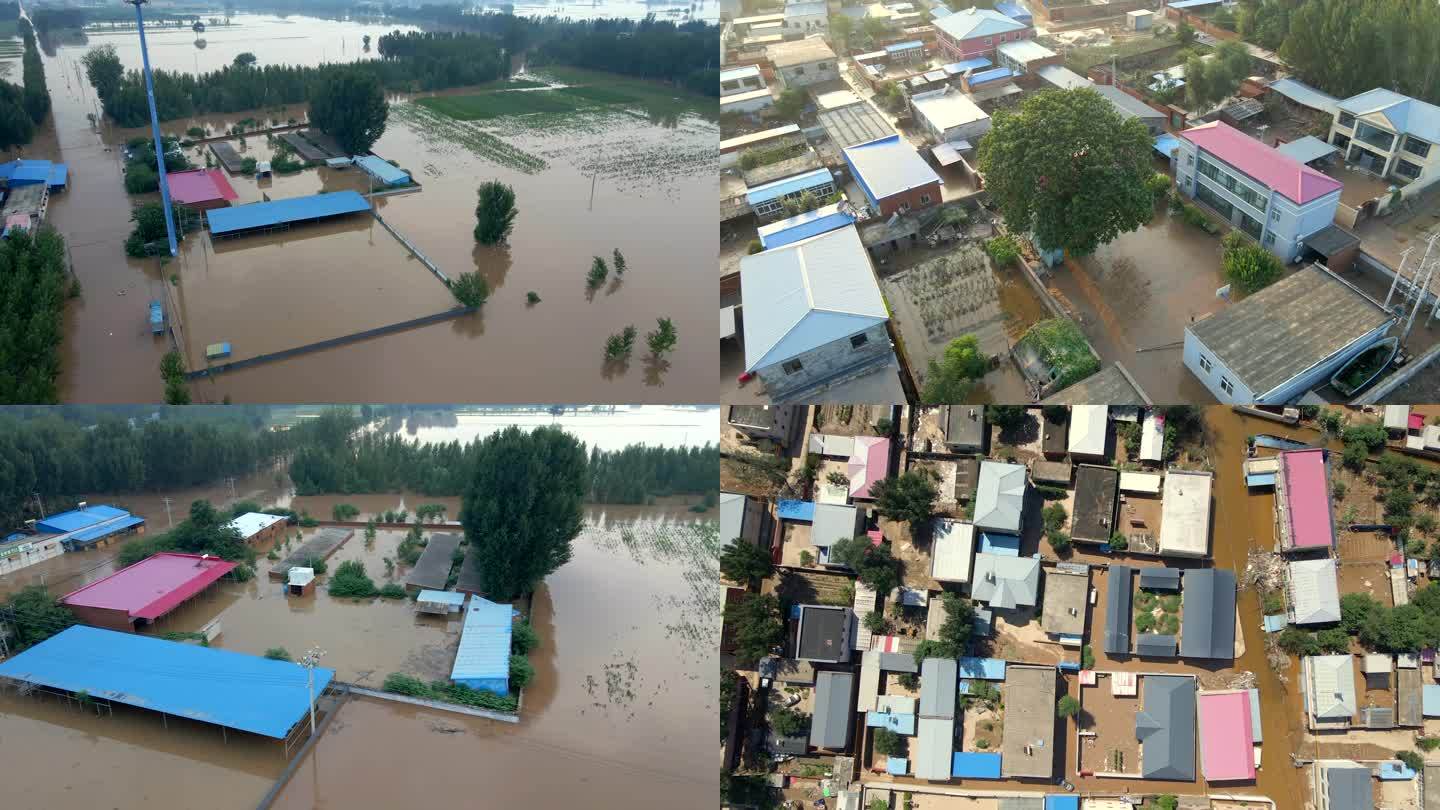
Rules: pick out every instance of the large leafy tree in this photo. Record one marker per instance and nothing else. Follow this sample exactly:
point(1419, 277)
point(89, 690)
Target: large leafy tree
point(909, 496)
point(522, 507)
point(350, 105)
point(36, 617)
point(953, 377)
point(494, 213)
point(746, 562)
point(1066, 167)
point(755, 625)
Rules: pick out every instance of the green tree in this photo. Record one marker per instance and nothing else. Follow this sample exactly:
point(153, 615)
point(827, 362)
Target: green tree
point(344, 511)
point(1247, 265)
point(841, 29)
point(1005, 417)
point(36, 617)
point(787, 722)
point(1412, 760)
point(278, 654)
point(663, 338)
point(742, 561)
point(104, 70)
point(522, 672)
point(495, 213)
point(523, 637)
point(619, 345)
point(1066, 167)
point(1067, 706)
point(597, 274)
point(872, 564)
point(790, 104)
point(889, 743)
point(755, 625)
point(953, 378)
point(244, 59)
point(350, 106)
point(1185, 33)
point(909, 496)
point(470, 289)
point(522, 507)
point(1298, 642)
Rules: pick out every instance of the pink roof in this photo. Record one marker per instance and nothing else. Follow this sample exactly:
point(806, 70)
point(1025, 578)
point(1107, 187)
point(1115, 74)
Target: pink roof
point(1227, 743)
point(1290, 177)
point(869, 462)
point(200, 185)
point(1417, 421)
point(152, 587)
point(1307, 493)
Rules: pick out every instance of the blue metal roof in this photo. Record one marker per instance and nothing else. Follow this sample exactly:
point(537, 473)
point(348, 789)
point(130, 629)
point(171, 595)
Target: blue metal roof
point(898, 723)
point(94, 534)
point(1007, 545)
point(788, 186)
point(484, 652)
point(209, 684)
point(22, 172)
point(795, 510)
point(59, 174)
point(1394, 770)
point(382, 170)
point(1060, 802)
point(897, 766)
point(824, 219)
point(1013, 11)
point(975, 765)
point(994, 74)
point(77, 519)
point(444, 597)
point(904, 46)
point(1265, 479)
point(1165, 143)
point(989, 669)
point(277, 212)
point(1193, 3)
point(1430, 700)
point(956, 68)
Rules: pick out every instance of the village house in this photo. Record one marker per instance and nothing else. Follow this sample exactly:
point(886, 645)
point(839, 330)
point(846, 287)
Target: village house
point(1000, 497)
point(742, 519)
point(834, 710)
point(1389, 134)
point(893, 176)
point(1275, 199)
point(1185, 513)
point(949, 116)
point(767, 200)
point(974, 32)
point(1344, 785)
point(824, 634)
point(742, 79)
point(806, 17)
point(813, 314)
point(1329, 691)
point(1130, 107)
point(1067, 593)
point(803, 62)
point(1207, 621)
point(1314, 591)
point(935, 733)
point(1285, 340)
point(258, 527)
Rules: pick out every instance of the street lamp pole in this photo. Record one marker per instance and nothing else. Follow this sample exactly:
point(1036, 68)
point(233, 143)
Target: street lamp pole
point(155, 127)
point(309, 661)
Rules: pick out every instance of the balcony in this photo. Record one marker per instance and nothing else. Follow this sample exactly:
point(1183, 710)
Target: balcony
point(1378, 138)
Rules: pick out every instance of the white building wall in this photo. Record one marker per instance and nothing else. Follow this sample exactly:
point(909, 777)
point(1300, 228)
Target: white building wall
point(38, 551)
point(1287, 392)
point(808, 74)
point(1194, 352)
point(806, 23)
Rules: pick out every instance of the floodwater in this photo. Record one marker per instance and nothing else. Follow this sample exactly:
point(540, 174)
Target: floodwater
point(585, 185)
point(1134, 297)
point(675, 11)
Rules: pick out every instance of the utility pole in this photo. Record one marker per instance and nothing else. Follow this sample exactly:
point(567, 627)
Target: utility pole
point(168, 516)
point(308, 661)
point(231, 482)
point(155, 127)
point(40, 505)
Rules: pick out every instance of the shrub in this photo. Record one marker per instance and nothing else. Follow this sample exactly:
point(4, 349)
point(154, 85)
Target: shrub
point(1003, 250)
point(1067, 706)
point(278, 654)
point(471, 290)
point(754, 247)
point(350, 580)
point(1247, 265)
point(523, 637)
point(875, 621)
point(1412, 760)
point(393, 590)
point(889, 743)
point(522, 672)
point(1159, 186)
point(1119, 542)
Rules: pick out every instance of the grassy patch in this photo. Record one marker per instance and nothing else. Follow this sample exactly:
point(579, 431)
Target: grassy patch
point(434, 127)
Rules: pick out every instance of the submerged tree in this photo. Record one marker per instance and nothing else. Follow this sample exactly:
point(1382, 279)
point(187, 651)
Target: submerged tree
point(619, 345)
point(470, 289)
point(598, 273)
point(494, 213)
point(522, 507)
point(350, 105)
point(663, 339)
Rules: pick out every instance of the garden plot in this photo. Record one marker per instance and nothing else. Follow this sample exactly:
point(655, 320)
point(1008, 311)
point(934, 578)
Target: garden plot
point(1157, 613)
point(692, 549)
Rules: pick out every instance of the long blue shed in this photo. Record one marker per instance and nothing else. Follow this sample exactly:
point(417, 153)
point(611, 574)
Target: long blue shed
point(975, 765)
point(208, 684)
point(77, 519)
point(258, 216)
point(483, 659)
point(382, 170)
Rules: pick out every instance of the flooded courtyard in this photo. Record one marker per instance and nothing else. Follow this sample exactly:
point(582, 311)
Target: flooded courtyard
point(636, 160)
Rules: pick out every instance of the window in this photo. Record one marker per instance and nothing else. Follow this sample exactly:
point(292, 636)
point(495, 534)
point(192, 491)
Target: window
point(791, 366)
point(1226, 386)
point(1275, 216)
point(856, 341)
point(1347, 120)
point(1205, 364)
point(824, 66)
point(987, 41)
point(1416, 147)
point(1189, 160)
point(1269, 240)
point(924, 199)
point(1251, 225)
point(800, 71)
point(1405, 168)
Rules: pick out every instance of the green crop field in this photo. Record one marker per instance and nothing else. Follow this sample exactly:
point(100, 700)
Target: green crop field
point(485, 106)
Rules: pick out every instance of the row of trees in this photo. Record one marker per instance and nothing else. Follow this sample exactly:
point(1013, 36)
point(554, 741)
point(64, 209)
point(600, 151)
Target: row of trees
point(682, 54)
point(23, 107)
point(33, 286)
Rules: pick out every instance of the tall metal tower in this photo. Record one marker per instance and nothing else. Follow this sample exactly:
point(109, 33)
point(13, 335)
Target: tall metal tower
point(155, 127)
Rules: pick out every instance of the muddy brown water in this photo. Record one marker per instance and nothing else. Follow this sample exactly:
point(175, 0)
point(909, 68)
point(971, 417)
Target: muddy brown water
point(653, 176)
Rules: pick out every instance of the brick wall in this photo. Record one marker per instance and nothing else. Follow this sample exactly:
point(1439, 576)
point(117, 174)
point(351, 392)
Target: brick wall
point(103, 617)
point(891, 204)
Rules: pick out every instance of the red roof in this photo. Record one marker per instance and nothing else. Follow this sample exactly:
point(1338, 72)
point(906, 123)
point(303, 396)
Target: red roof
point(1307, 494)
point(1227, 743)
point(1290, 177)
point(1417, 421)
point(152, 587)
point(200, 185)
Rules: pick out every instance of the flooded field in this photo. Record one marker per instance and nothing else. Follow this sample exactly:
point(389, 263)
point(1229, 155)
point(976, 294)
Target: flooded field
point(587, 183)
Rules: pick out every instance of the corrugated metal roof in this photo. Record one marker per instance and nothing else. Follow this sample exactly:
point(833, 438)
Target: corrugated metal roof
point(382, 170)
point(152, 587)
point(992, 75)
point(1165, 727)
point(1000, 496)
point(832, 523)
point(938, 681)
point(1207, 620)
point(1348, 787)
point(1332, 686)
point(95, 533)
point(252, 523)
point(1226, 749)
point(985, 669)
point(1304, 95)
point(904, 46)
point(1287, 176)
point(777, 189)
point(484, 651)
point(200, 185)
point(957, 68)
point(934, 742)
point(278, 212)
point(1159, 578)
point(824, 219)
point(977, 22)
point(830, 724)
point(806, 295)
point(975, 765)
point(1306, 149)
point(441, 597)
point(1155, 645)
point(1117, 609)
point(1314, 591)
point(1185, 513)
point(1127, 105)
point(1006, 582)
point(77, 519)
point(887, 167)
point(1063, 77)
point(732, 515)
point(208, 684)
point(789, 509)
point(1025, 50)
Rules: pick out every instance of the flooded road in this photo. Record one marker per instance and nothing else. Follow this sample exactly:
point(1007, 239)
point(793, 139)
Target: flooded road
point(587, 184)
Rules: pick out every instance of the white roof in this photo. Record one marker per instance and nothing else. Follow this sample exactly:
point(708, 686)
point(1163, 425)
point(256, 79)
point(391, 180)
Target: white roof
point(1148, 483)
point(835, 99)
point(744, 72)
point(952, 550)
point(1152, 437)
point(830, 444)
point(895, 704)
point(301, 577)
point(748, 95)
point(977, 22)
point(947, 108)
point(732, 144)
point(1432, 436)
point(889, 166)
point(934, 745)
point(1332, 686)
point(799, 52)
point(1025, 50)
point(1062, 77)
point(1401, 113)
point(1314, 591)
point(1185, 513)
point(1088, 424)
point(1397, 417)
point(806, 9)
point(1000, 496)
point(832, 523)
point(252, 523)
point(869, 681)
point(1375, 663)
point(806, 294)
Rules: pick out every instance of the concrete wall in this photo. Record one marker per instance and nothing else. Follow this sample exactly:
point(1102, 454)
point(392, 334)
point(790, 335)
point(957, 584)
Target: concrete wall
point(270, 533)
point(806, 75)
point(806, 23)
point(1090, 11)
point(832, 361)
point(747, 106)
point(39, 550)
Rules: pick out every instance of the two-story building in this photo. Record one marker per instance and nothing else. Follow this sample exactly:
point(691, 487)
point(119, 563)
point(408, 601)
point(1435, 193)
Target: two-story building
point(1385, 133)
point(1274, 198)
point(975, 32)
point(804, 17)
point(803, 62)
point(813, 314)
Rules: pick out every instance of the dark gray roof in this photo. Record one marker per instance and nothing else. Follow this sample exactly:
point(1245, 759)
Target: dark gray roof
point(834, 706)
point(1330, 240)
point(965, 426)
point(432, 571)
point(1377, 717)
point(1160, 578)
point(1055, 435)
point(1349, 787)
point(854, 124)
point(1165, 727)
point(1055, 472)
point(796, 746)
point(1096, 489)
point(823, 633)
point(1207, 615)
point(1022, 803)
point(939, 679)
point(1288, 327)
point(1117, 610)
point(984, 623)
point(1127, 105)
point(1155, 645)
point(1111, 385)
point(898, 662)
